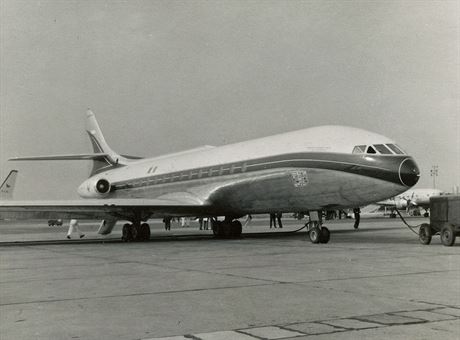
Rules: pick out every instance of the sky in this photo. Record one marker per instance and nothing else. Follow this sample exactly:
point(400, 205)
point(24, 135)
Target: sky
point(164, 76)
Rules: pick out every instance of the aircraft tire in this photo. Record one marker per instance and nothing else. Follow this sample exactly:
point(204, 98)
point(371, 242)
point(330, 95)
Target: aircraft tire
point(226, 230)
point(215, 228)
point(126, 233)
point(424, 234)
point(144, 232)
point(325, 235)
point(236, 228)
point(426, 214)
point(315, 235)
point(134, 233)
point(448, 235)
point(221, 230)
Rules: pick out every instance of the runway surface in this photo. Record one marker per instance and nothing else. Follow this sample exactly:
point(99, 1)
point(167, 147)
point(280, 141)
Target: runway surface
point(375, 283)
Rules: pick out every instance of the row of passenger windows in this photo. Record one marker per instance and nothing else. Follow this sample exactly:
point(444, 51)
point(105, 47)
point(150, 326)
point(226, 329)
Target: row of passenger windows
point(384, 149)
point(185, 175)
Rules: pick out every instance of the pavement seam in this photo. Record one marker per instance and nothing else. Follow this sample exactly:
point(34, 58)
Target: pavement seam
point(136, 294)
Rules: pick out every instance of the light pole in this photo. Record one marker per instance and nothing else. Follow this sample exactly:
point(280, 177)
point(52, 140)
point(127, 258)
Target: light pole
point(434, 174)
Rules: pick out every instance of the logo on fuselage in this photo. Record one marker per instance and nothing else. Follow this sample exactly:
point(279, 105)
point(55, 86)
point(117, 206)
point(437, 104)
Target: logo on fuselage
point(299, 178)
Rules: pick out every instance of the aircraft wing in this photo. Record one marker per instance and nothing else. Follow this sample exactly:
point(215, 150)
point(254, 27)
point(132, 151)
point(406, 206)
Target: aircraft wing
point(103, 208)
point(208, 200)
point(386, 203)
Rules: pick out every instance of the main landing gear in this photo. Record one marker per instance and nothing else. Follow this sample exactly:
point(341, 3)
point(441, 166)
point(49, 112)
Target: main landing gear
point(228, 228)
point(135, 232)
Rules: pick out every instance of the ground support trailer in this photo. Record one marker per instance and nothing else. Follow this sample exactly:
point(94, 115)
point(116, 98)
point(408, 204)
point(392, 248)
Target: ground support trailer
point(444, 220)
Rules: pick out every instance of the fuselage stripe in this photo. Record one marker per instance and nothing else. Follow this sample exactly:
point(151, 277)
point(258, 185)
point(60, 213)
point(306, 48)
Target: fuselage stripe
point(382, 167)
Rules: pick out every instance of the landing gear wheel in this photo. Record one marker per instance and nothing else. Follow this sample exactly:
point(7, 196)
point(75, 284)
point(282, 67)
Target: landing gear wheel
point(144, 232)
point(128, 232)
point(325, 235)
point(315, 235)
point(215, 228)
point(221, 229)
point(447, 235)
point(426, 214)
point(392, 215)
point(424, 234)
point(226, 230)
point(236, 228)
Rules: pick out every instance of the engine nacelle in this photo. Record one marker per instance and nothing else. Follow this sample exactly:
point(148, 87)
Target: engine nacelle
point(401, 204)
point(95, 188)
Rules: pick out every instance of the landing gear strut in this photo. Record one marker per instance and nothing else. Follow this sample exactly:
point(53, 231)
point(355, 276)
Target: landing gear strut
point(316, 231)
point(227, 228)
point(135, 232)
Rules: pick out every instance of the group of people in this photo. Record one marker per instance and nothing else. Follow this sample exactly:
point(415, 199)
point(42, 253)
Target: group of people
point(276, 217)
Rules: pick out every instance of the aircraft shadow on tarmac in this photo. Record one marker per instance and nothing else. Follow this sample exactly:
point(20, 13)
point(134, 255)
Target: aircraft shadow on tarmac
point(364, 235)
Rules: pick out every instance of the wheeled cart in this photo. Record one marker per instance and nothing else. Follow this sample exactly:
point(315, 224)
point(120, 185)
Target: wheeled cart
point(444, 220)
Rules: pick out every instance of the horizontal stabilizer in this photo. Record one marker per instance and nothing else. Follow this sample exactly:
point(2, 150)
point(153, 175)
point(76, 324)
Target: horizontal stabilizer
point(90, 156)
point(132, 157)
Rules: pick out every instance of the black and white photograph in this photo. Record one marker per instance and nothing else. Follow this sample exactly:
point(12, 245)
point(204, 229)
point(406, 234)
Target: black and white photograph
point(229, 169)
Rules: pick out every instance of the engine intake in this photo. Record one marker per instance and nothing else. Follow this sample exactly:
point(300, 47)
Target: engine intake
point(102, 186)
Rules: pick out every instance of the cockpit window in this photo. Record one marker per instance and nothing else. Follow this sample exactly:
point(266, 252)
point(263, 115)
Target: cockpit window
point(359, 149)
point(382, 149)
point(395, 149)
point(370, 149)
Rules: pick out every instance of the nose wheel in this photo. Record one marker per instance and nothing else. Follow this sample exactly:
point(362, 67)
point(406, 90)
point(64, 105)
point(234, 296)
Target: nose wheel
point(318, 233)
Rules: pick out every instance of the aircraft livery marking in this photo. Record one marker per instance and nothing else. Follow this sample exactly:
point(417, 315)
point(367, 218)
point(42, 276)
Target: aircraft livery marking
point(375, 166)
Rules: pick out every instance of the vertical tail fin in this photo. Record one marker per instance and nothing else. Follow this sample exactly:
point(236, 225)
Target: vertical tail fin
point(7, 187)
point(100, 146)
point(104, 158)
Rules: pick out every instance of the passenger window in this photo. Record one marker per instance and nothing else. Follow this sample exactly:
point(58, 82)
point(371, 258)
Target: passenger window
point(370, 149)
point(359, 149)
point(382, 149)
point(395, 149)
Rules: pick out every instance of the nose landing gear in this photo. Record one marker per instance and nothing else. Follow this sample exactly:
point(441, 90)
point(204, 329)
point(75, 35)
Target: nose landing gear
point(316, 231)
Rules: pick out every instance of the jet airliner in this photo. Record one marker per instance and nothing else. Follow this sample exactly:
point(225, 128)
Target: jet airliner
point(309, 170)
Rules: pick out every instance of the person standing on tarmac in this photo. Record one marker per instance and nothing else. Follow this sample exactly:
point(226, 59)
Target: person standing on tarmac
point(167, 222)
point(357, 213)
point(73, 227)
point(184, 222)
point(272, 220)
point(278, 217)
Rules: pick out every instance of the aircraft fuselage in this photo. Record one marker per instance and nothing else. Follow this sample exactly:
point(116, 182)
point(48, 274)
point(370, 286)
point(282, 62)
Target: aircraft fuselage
point(304, 170)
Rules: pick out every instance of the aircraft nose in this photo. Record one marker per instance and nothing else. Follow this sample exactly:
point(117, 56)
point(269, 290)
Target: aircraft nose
point(409, 172)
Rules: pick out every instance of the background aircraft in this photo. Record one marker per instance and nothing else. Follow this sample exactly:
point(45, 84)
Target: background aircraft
point(7, 187)
point(411, 200)
point(314, 169)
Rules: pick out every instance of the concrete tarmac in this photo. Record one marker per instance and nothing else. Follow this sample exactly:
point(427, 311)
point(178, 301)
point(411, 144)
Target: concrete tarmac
point(375, 283)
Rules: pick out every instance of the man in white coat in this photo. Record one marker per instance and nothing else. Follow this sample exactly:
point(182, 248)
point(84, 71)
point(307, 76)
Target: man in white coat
point(73, 227)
